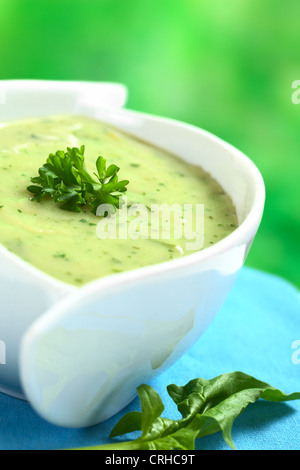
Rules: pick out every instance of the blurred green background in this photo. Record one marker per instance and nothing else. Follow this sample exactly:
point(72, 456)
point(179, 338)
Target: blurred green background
point(226, 66)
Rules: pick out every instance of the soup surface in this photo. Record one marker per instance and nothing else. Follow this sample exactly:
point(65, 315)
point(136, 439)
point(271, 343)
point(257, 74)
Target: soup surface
point(65, 244)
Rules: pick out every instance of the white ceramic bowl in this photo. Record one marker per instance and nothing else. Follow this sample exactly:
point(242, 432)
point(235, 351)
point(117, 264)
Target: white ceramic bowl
point(78, 355)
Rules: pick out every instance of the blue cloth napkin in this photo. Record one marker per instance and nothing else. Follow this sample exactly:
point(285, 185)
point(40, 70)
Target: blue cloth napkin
point(254, 332)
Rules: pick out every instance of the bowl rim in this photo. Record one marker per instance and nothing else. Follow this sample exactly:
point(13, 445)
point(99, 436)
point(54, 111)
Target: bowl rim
point(245, 230)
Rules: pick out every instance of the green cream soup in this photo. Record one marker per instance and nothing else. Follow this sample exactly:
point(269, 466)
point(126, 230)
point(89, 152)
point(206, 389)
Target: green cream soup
point(65, 244)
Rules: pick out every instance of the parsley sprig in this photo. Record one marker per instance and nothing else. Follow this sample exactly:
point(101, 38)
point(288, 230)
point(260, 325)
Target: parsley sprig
point(64, 178)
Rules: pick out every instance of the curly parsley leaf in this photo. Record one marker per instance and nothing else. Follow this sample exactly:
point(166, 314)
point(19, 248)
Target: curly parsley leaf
point(206, 406)
point(65, 178)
